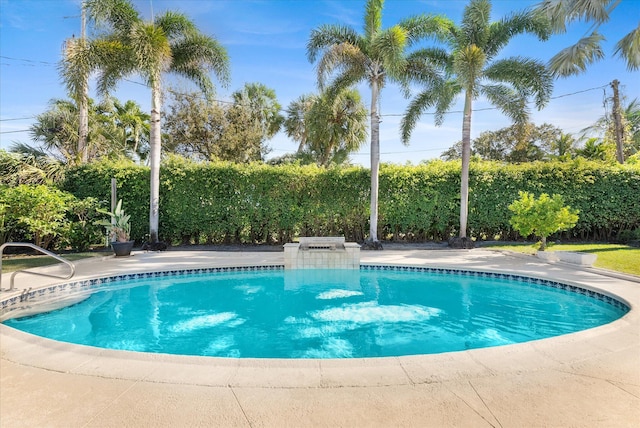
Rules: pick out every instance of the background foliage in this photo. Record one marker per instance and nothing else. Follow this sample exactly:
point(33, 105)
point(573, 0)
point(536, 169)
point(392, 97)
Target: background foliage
point(257, 203)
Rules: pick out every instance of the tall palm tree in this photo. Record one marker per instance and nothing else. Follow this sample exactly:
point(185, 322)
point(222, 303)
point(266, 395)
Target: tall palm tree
point(574, 59)
point(474, 70)
point(376, 56)
point(169, 43)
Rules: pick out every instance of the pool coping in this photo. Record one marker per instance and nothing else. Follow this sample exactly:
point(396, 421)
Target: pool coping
point(558, 353)
point(584, 379)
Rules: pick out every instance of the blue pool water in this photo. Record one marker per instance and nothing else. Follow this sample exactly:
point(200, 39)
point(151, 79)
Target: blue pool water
point(318, 314)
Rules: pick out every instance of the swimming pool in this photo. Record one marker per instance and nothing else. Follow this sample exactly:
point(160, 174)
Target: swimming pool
point(272, 313)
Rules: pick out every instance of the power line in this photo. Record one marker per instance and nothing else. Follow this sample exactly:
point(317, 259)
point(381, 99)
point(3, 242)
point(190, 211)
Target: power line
point(18, 118)
point(496, 108)
point(14, 132)
point(30, 61)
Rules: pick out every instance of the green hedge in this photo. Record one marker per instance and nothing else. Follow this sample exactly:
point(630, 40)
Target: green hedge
point(258, 203)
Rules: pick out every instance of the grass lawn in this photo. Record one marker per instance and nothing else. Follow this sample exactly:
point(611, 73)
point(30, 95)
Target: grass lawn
point(13, 263)
point(618, 257)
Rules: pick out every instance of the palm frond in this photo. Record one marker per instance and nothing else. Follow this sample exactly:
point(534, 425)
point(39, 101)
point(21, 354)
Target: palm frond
point(574, 59)
point(152, 50)
point(196, 56)
point(511, 103)
point(628, 48)
point(527, 76)
point(373, 18)
point(440, 95)
point(325, 36)
point(114, 61)
point(344, 80)
point(530, 22)
point(468, 65)
point(116, 14)
point(592, 10)
point(438, 27)
point(475, 22)
point(345, 58)
point(82, 57)
point(389, 46)
point(435, 57)
point(175, 25)
point(427, 67)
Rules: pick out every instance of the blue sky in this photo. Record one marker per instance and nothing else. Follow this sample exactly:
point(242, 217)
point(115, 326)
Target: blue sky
point(266, 43)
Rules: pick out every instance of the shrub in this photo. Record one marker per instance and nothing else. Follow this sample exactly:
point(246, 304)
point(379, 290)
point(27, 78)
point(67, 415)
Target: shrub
point(541, 217)
point(47, 217)
point(38, 210)
point(82, 231)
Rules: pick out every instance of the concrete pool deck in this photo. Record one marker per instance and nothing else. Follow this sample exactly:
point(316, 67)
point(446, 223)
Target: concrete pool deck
point(585, 379)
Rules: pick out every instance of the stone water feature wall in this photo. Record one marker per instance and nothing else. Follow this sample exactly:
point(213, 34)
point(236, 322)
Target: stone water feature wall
point(329, 252)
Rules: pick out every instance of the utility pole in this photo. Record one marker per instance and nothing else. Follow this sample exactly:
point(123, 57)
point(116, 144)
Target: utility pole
point(617, 122)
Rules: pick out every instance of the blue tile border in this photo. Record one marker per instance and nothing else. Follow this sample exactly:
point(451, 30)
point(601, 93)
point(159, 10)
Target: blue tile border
point(86, 285)
point(508, 276)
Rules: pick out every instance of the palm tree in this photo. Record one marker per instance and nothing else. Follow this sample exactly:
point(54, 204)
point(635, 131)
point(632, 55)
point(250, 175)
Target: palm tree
point(376, 56)
point(24, 164)
point(296, 123)
point(169, 43)
point(135, 126)
point(474, 70)
point(263, 106)
point(336, 126)
point(57, 132)
point(574, 59)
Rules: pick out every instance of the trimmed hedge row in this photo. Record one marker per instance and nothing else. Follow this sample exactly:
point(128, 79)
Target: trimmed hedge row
point(257, 203)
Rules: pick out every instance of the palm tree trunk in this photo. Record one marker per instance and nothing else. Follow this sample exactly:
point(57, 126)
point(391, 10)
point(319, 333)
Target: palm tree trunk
point(83, 104)
point(375, 161)
point(466, 157)
point(83, 125)
point(155, 145)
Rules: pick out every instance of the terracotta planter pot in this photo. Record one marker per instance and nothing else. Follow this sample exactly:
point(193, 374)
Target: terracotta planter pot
point(122, 249)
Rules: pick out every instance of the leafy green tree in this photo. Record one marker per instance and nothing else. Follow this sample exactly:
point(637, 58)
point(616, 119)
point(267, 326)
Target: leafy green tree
point(169, 43)
point(474, 70)
point(375, 56)
point(202, 130)
point(542, 216)
point(575, 59)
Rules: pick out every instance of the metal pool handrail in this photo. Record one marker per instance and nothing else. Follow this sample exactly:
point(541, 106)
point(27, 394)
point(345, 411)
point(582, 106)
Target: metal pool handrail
point(42, 250)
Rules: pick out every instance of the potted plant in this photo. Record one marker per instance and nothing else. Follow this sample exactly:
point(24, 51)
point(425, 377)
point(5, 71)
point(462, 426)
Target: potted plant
point(119, 229)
